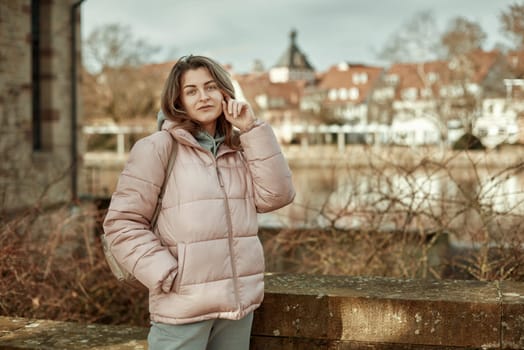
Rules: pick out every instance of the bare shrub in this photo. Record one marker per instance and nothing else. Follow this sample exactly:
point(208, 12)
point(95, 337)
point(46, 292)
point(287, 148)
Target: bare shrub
point(53, 267)
point(411, 213)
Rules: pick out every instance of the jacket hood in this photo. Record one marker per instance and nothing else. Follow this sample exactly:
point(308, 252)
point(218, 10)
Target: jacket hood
point(160, 118)
point(163, 123)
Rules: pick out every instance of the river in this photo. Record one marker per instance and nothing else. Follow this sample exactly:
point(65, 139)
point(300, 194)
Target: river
point(386, 190)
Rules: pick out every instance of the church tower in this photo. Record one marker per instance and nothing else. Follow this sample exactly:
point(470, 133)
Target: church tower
point(293, 65)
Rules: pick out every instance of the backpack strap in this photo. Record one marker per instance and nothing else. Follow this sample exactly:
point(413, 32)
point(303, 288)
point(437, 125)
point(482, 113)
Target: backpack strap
point(172, 158)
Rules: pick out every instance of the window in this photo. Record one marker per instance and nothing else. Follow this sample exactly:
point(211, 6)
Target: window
point(409, 93)
point(392, 79)
point(426, 92)
point(473, 89)
point(432, 77)
point(343, 93)
point(332, 94)
point(456, 91)
point(384, 93)
point(482, 132)
point(35, 75)
point(353, 93)
point(359, 78)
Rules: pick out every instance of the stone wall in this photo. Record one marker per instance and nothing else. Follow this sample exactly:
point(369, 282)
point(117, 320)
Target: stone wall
point(30, 175)
point(306, 312)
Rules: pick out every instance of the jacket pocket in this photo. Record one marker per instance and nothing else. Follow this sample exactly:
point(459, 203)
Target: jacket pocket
point(181, 260)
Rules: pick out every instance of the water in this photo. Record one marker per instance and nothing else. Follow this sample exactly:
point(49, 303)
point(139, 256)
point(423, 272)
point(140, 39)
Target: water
point(473, 196)
point(465, 199)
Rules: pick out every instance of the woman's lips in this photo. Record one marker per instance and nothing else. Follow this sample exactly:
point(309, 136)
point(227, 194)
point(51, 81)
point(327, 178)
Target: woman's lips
point(205, 107)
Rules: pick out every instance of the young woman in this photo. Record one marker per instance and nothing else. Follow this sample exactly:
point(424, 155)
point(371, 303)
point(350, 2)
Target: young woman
point(204, 267)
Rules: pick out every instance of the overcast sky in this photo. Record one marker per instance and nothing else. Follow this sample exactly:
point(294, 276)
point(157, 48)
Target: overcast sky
point(239, 31)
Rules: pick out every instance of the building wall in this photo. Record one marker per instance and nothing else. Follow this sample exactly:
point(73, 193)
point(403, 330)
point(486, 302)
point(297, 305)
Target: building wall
point(32, 174)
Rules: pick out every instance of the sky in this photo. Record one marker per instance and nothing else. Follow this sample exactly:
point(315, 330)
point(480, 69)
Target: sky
point(238, 32)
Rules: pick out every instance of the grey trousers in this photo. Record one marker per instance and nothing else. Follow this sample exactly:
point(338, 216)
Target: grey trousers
point(206, 335)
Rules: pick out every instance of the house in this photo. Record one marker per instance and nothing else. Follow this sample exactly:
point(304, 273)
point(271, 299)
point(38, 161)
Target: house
point(278, 103)
point(405, 98)
point(446, 93)
point(347, 89)
point(497, 123)
point(40, 141)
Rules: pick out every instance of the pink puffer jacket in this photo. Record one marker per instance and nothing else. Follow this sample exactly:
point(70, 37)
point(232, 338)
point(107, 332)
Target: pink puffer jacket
point(209, 262)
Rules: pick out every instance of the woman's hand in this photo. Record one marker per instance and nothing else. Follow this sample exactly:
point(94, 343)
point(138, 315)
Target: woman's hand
point(238, 113)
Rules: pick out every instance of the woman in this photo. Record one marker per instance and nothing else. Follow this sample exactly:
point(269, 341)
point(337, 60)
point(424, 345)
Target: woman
point(204, 268)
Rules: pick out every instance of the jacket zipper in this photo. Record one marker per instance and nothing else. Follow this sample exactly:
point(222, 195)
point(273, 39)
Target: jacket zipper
point(228, 219)
point(229, 236)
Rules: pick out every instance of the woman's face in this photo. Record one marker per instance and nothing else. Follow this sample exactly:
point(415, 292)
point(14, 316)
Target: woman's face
point(201, 98)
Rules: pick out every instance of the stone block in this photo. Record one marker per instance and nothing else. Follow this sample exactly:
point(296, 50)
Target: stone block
point(512, 330)
point(46, 335)
point(464, 314)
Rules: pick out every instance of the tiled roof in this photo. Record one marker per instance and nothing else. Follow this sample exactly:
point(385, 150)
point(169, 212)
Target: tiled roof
point(482, 62)
point(347, 76)
point(416, 74)
point(254, 85)
point(471, 68)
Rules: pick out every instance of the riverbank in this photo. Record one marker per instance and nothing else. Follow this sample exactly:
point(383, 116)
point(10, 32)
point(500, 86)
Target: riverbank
point(375, 156)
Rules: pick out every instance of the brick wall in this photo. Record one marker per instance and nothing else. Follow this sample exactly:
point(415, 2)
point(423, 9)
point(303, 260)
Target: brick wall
point(27, 174)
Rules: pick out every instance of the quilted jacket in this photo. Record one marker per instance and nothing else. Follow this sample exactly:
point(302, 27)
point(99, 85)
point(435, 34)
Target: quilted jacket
point(206, 260)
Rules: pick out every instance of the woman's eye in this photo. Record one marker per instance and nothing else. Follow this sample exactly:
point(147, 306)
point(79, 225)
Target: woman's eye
point(191, 92)
point(212, 87)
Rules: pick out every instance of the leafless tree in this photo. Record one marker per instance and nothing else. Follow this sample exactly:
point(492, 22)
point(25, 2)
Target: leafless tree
point(512, 24)
point(416, 40)
point(118, 84)
point(462, 36)
point(115, 46)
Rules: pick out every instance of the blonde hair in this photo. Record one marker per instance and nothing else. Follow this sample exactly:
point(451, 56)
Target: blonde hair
point(171, 103)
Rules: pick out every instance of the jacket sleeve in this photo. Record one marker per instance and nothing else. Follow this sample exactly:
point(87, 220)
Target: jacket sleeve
point(127, 222)
point(273, 185)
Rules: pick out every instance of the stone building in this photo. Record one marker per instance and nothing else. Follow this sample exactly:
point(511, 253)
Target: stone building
point(38, 103)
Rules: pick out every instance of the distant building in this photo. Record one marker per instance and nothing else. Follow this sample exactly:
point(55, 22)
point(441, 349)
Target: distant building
point(347, 89)
point(293, 65)
point(406, 99)
point(278, 103)
point(406, 103)
point(276, 95)
point(446, 94)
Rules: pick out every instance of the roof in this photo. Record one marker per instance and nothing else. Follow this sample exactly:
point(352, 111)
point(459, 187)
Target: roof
point(254, 85)
point(416, 74)
point(346, 75)
point(293, 58)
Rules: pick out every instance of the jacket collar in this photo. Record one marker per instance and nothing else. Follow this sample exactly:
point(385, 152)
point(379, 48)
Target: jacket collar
point(186, 138)
point(209, 142)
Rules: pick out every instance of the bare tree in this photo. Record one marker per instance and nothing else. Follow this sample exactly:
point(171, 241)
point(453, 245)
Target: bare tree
point(416, 40)
point(118, 84)
point(512, 24)
point(114, 46)
point(462, 36)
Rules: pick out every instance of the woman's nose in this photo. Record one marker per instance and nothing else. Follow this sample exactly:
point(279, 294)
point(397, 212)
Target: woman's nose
point(204, 95)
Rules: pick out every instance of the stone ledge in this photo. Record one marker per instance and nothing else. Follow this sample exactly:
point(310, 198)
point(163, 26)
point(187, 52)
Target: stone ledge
point(18, 333)
point(379, 313)
point(333, 312)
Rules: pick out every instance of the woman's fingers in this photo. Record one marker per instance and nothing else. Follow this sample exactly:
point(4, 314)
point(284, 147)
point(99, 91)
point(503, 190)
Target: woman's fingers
point(233, 107)
point(239, 109)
